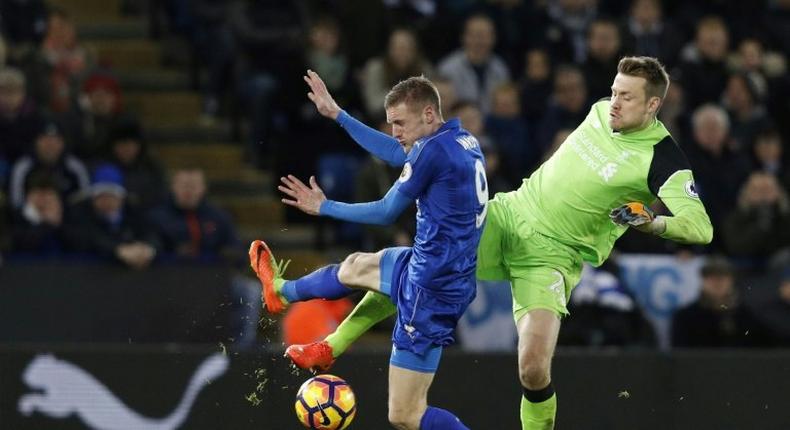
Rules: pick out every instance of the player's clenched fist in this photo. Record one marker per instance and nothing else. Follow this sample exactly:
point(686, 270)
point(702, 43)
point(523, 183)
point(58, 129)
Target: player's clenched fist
point(633, 213)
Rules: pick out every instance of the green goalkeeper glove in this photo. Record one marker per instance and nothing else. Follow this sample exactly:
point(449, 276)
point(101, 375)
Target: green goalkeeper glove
point(638, 215)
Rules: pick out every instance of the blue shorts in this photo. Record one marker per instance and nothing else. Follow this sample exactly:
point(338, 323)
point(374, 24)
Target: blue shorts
point(424, 320)
point(425, 363)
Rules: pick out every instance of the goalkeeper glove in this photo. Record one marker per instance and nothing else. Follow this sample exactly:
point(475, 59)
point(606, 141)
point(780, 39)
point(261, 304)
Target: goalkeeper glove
point(634, 214)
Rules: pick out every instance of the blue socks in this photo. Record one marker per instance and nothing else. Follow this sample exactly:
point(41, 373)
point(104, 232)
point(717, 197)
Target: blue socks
point(439, 419)
point(321, 284)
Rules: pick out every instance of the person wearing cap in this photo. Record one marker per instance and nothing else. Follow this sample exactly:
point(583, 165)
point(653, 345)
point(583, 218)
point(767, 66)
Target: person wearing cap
point(49, 156)
point(718, 318)
point(87, 129)
point(19, 120)
point(107, 226)
point(144, 177)
point(37, 228)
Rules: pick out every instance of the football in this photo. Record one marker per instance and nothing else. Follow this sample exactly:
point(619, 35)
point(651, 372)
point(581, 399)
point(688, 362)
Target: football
point(325, 402)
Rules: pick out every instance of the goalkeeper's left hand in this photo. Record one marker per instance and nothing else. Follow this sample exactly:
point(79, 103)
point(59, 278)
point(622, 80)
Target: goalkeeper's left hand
point(639, 216)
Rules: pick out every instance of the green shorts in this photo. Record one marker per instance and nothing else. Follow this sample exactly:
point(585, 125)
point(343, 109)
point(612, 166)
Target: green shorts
point(542, 271)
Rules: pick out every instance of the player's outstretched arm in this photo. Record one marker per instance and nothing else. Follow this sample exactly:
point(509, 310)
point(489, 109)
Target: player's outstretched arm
point(690, 222)
point(307, 199)
point(320, 96)
point(382, 146)
point(312, 200)
point(671, 180)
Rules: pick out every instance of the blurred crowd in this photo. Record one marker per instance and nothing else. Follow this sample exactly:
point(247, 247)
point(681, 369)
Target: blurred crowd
point(521, 75)
point(76, 175)
point(79, 180)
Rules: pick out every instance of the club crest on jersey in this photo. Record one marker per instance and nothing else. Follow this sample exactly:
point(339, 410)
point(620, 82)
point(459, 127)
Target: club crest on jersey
point(608, 171)
point(406, 173)
point(691, 189)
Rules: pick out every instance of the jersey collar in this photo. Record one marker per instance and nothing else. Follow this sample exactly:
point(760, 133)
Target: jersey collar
point(450, 124)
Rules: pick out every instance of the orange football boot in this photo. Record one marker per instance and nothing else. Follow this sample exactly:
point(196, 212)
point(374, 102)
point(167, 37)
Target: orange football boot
point(270, 274)
point(316, 356)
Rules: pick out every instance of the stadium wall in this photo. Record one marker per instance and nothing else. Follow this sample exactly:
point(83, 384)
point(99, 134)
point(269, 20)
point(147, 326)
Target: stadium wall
point(43, 387)
point(86, 344)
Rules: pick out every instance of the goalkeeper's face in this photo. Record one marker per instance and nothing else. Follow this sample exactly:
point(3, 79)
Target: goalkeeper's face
point(630, 108)
point(410, 123)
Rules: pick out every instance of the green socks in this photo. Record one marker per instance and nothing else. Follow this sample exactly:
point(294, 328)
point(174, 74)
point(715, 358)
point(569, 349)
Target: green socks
point(538, 409)
point(373, 307)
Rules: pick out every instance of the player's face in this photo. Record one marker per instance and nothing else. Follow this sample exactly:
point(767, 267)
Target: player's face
point(630, 108)
point(408, 124)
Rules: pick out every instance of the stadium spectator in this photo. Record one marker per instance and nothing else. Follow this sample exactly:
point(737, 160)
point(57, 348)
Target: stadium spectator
point(19, 120)
point(37, 227)
point(446, 94)
point(475, 70)
point(704, 63)
point(768, 155)
point(273, 27)
point(603, 53)
point(565, 28)
point(753, 59)
point(673, 110)
point(719, 170)
point(508, 130)
point(109, 228)
point(67, 58)
point(3, 52)
point(757, 228)
point(717, 318)
point(365, 25)
point(604, 313)
point(326, 57)
point(87, 129)
point(649, 33)
point(472, 120)
point(535, 87)
point(144, 178)
point(189, 225)
point(743, 100)
point(775, 28)
point(497, 182)
point(402, 60)
point(49, 156)
point(775, 313)
point(567, 106)
point(511, 20)
point(23, 24)
point(214, 46)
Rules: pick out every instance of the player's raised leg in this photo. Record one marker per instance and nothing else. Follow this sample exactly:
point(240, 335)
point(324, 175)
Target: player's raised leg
point(537, 337)
point(374, 307)
point(357, 271)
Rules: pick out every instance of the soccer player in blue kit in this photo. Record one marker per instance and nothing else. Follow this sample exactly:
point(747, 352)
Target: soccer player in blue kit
point(431, 283)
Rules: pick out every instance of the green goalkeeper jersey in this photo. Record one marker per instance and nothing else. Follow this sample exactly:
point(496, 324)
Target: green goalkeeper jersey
point(595, 170)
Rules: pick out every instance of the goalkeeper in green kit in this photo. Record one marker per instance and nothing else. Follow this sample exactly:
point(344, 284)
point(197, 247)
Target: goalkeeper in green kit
point(571, 210)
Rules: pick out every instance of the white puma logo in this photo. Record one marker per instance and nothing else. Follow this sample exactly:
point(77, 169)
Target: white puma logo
point(558, 288)
point(68, 389)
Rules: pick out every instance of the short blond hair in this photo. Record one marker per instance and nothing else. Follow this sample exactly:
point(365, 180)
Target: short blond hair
point(416, 92)
point(651, 70)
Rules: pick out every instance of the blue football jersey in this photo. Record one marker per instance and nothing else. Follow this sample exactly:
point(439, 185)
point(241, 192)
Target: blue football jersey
point(445, 173)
